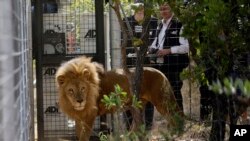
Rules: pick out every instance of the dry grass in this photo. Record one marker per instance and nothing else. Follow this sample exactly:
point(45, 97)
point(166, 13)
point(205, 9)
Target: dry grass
point(194, 131)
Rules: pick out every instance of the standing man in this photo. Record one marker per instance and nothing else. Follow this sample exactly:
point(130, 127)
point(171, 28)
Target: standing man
point(135, 22)
point(171, 50)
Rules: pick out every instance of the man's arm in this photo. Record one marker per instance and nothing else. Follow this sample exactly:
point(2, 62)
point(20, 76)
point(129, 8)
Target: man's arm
point(183, 47)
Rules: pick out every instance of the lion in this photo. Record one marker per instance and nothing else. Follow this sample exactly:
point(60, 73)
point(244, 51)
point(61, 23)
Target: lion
point(83, 83)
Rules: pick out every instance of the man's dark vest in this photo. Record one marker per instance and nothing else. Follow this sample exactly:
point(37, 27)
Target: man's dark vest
point(152, 29)
point(172, 35)
point(135, 26)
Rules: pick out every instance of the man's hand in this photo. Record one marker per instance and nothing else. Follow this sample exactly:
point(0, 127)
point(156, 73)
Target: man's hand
point(163, 52)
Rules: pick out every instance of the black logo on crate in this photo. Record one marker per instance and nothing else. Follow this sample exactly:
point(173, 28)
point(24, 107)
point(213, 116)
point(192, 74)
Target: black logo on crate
point(52, 109)
point(54, 42)
point(50, 71)
point(239, 132)
point(90, 34)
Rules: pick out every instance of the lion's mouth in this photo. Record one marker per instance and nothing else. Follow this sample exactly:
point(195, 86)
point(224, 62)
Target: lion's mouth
point(79, 106)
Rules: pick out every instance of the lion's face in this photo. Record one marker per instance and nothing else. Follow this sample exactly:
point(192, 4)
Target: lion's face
point(78, 85)
point(76, 92)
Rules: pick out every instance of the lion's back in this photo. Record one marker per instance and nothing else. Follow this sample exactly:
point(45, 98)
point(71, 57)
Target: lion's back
point(151, 78)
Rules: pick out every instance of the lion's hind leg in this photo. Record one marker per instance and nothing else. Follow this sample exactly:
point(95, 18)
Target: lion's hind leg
point(166, 105)
point(174, 117)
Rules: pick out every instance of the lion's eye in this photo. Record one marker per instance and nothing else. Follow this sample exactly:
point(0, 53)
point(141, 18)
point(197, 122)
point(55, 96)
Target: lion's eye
point(82, 88)
point(71, 91)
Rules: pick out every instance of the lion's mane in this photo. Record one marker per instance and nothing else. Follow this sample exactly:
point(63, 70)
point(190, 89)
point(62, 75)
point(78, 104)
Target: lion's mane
point(78, 69)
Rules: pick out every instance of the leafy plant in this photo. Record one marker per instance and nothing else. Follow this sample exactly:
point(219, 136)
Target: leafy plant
point(230, 86)
point(215, 31)
point(118, 100)
point(103, 137)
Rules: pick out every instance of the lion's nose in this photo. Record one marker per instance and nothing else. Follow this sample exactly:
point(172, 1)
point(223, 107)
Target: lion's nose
point(80, 100)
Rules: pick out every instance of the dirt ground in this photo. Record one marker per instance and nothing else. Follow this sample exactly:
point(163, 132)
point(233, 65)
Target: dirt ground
point(194, 130)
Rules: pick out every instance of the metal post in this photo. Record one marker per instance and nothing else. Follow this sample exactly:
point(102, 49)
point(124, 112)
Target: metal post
point(99, 20)
point(37, 45)
point(100, 50)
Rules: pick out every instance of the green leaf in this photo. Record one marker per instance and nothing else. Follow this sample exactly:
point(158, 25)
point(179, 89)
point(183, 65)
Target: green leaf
point(106, 98)
point(137, 42)
point(124, 94)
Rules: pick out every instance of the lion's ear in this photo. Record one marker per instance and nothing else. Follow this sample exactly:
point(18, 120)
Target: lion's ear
point(91, 77)
point(99, 67)
point(60, 79)
point(86, 73)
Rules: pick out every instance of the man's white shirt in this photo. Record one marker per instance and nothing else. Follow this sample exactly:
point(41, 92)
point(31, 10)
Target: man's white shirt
point(181, 49)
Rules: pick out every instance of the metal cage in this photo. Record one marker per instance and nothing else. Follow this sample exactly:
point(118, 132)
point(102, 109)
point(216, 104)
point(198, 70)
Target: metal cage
point(64, 29)
point(16, 93)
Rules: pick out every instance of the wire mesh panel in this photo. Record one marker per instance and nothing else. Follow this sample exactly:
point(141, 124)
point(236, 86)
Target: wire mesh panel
point(16, 102)
point(187, 92)
point(68, 30)
point(55, 123)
